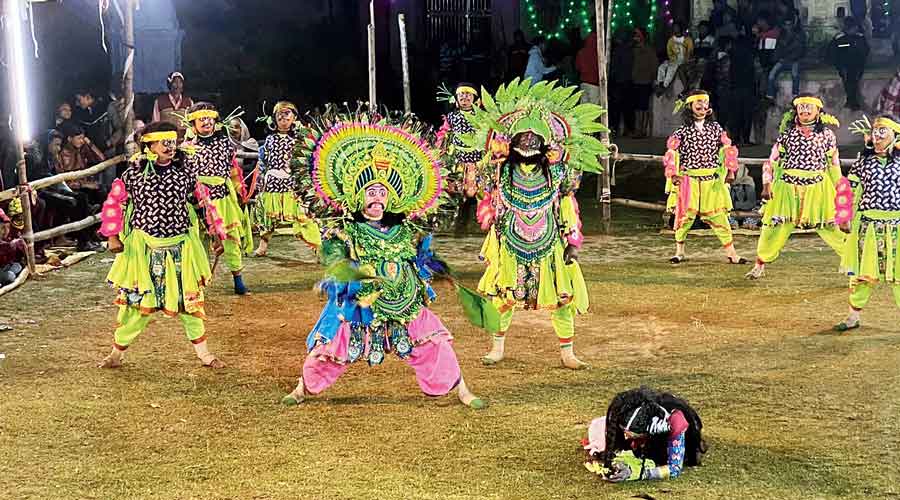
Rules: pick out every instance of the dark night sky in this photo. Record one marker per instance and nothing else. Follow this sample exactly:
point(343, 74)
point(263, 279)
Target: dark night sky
point(236, 52)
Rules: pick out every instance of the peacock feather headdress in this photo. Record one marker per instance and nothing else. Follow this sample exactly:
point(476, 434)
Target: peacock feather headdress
point(345, 153)
point(552, 112)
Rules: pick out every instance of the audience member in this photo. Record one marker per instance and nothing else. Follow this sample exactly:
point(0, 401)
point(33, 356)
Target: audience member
point(642, 75)
point(621, 69)
point(791, 47)
point(679, 49)
point(848, 51)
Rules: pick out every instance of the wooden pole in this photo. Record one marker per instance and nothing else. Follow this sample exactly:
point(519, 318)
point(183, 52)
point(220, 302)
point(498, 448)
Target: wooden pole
point(373, 94)
point(128, 79)
point(603, 190)
point(13, 59)
point(404, 58)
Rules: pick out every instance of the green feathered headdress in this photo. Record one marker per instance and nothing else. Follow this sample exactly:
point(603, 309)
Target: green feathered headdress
point(553, 112)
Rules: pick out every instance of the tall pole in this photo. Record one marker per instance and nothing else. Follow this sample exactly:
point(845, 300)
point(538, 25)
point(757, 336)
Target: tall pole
point(603, 189)
point(15, 57)
point(373, 94)
point(128, 79)
point(404, 58)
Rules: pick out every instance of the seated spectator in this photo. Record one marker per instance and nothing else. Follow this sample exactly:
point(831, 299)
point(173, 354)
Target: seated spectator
point(63, 113)
point(706, 41)
point(88, 115)
point(767, 36)
point(680, 49)
point(54, 147)
point(12, 252)
point(791, 47)
point(889, 99)
point(848, 51)
point(79, 153)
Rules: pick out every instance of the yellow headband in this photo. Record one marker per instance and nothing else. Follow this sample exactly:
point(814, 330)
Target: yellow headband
point(696, 97)
point(282, 105)
point(809, 100)
point(466, 89)
point(203, 113)
point(160, 136)
point(887, 122)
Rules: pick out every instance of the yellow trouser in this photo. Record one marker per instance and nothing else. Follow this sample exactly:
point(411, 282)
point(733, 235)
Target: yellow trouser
point(718, 223)
point(861, 292)
point(233, 254)
point(773, 238)
point(132, 323)
point(563, 320)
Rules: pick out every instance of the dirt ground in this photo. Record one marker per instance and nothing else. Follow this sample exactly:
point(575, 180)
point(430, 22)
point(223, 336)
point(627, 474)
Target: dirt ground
point(790, 409)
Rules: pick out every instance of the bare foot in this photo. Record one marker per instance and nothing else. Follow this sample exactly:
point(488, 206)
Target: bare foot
point(110, 362)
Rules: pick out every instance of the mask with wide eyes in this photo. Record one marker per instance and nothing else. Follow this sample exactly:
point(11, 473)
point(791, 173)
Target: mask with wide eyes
point(807, 113)
point(169, 144)
point(882, 138)
point(528, 144)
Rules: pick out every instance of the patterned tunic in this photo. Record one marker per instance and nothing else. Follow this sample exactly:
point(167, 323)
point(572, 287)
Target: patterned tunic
point(699, 149)
point(275, 161)
point(805, 149)
point(459, 125)
point(214, 158)
point(880, 179)
point(159, 198)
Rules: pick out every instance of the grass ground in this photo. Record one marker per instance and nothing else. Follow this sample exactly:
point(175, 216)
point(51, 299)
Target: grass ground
point(790, 409)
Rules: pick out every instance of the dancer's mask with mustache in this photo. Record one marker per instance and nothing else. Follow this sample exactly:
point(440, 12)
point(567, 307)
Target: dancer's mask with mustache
point(375, 202)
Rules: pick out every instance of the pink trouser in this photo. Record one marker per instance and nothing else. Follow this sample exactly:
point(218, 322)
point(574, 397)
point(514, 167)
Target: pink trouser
point(433, 360)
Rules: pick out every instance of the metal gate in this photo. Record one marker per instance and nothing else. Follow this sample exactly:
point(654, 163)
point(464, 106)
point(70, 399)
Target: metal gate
point(456, 21)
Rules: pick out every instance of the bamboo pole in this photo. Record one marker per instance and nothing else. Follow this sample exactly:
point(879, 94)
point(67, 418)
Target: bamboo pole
point(373, 94)
point(747, 162)
point(128, 79)
point(67, 228)
point(404, 59)
point(15, 59)
point(65, 176)
point(603, 190)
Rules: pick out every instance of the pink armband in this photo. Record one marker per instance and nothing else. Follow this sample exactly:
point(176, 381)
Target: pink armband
point(767, 176)
point(442, 134)
point(112, 214)
point(843, 202)
point(726, 141)
point(215, 226)
point(731, 156)
point(669, 163)
point(673, 143)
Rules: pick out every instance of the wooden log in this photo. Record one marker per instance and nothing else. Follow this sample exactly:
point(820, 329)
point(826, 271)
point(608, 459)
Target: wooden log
point(65, 176)
point(67, 228)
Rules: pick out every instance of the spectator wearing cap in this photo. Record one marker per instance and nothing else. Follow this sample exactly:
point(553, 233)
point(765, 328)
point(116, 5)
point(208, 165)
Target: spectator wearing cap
point(169, 106)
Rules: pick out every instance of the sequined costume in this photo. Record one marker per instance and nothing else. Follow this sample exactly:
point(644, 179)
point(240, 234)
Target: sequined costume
point(530, 213)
